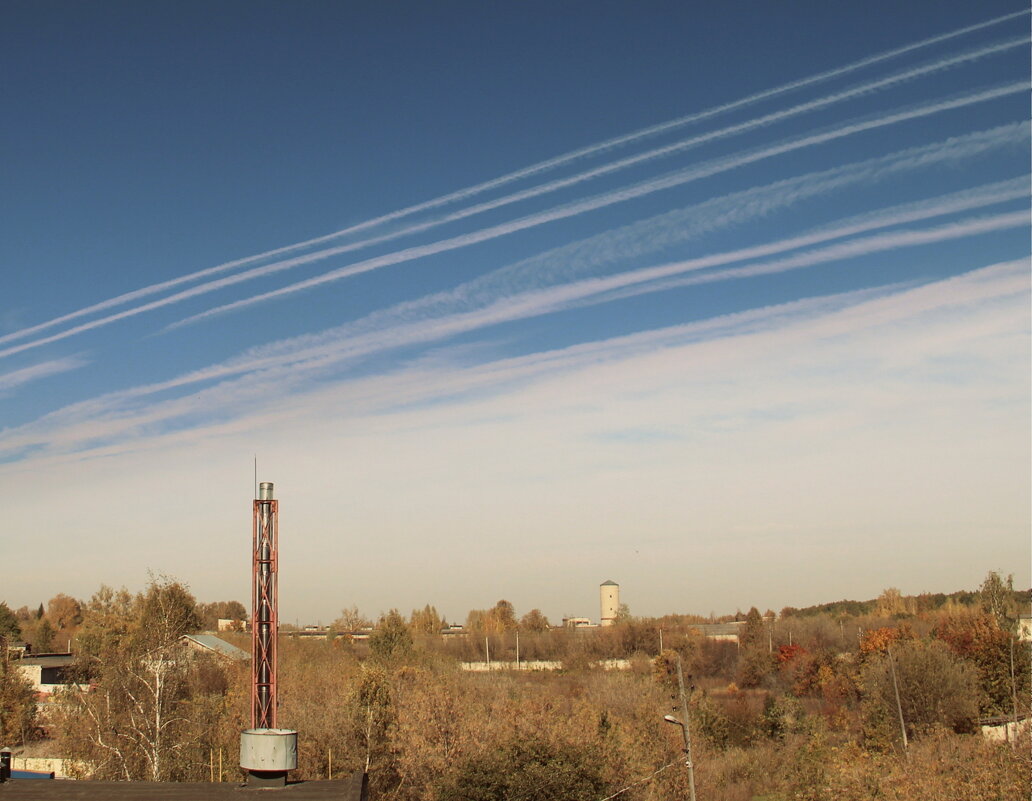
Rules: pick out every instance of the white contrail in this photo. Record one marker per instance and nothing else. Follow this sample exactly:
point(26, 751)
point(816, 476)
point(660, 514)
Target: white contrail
point(681, 122)
point(500, 293)
point(563, 212)
point(69, 429)
point(638, 239)
point(748, 203)
point(651, 155)
point(355, 339)
point(722, 133)
point(17, 378)
point(535, 302)
point(534, 169)
point(82, 424)
point(607, 199)
point(863, 247)
point(650, 279)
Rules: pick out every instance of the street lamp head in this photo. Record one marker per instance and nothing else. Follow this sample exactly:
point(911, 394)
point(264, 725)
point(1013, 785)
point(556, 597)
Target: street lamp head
point(672, 719)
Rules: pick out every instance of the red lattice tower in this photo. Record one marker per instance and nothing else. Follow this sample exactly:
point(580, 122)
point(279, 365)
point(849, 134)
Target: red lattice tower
point(264, 608)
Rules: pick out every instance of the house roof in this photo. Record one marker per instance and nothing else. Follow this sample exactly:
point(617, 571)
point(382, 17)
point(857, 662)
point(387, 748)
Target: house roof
point(609, 583)
point(209, 642)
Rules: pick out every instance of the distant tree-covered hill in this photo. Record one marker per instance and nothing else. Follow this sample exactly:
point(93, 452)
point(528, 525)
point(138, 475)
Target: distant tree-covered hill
point(892, 602)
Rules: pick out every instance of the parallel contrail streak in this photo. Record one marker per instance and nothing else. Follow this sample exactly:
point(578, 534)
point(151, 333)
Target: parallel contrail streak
point(873, 244)
point(540, 167)
point(732, 130)
point(554, 298)
point(75, 432)
point(607, 199)
point(621, 164)
point(535, 302)
point(493, 232)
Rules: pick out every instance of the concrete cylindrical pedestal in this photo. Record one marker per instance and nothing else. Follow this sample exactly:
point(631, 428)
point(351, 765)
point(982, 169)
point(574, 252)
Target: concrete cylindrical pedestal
point(267, 755)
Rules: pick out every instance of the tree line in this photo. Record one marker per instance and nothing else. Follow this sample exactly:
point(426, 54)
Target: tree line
point(814, 706)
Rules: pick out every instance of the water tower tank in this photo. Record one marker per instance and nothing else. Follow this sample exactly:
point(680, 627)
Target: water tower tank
point(609, 600)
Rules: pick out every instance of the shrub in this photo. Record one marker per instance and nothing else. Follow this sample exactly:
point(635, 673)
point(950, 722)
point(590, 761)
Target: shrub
point(528, 769)
point(936, 688)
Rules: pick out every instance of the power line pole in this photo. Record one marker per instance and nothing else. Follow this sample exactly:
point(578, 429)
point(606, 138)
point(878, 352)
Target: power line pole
point(685, 733)
point(899, 706)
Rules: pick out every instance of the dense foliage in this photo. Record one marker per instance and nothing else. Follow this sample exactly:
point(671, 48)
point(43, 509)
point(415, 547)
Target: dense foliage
point(527, 769)
point(17, 706)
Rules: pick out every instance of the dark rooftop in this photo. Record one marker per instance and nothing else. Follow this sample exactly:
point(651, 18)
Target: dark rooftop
point(46, 660)
point(716, 629)
point(349, 789)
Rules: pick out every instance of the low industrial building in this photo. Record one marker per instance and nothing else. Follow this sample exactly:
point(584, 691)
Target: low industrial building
point(720, 631)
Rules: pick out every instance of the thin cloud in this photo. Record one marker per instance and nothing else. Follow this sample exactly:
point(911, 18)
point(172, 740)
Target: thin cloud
point(570, 261)
point(504, 283)
point(94, 423)
point(515, 291)
point(607, 199)
point(540, 167)
point(26, 375)
point(772, 327)
point(686, 144)
point(864, 247)
point(733, 130)
point(98, 420)
point(397, 329)
point(652, 279)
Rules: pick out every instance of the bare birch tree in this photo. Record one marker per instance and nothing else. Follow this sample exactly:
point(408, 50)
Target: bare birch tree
point(127, 719)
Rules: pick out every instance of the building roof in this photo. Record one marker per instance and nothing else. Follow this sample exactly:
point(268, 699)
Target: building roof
point(209, 642)
point(718, 629)
point(609, 583)
point(46, 660)
point(349, 789)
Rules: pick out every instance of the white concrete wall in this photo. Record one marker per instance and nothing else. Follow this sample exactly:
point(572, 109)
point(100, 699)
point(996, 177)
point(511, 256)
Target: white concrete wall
point(1005, 732)
point(33, 673)
point(54, 765)
point(540, 664)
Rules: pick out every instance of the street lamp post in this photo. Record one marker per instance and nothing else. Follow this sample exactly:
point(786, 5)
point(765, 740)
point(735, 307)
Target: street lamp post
point(683, 723)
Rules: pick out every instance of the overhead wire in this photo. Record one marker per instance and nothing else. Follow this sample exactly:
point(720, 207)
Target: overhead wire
point(648, 778)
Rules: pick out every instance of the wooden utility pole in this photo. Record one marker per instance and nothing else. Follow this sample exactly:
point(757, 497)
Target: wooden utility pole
point(685, 733)
point(895, 689)
point(1014, 695)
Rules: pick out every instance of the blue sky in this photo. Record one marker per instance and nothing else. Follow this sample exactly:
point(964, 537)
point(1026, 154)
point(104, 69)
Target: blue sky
point(727, 303)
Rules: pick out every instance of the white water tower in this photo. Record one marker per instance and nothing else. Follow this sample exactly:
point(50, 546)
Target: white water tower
point(609, 600)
